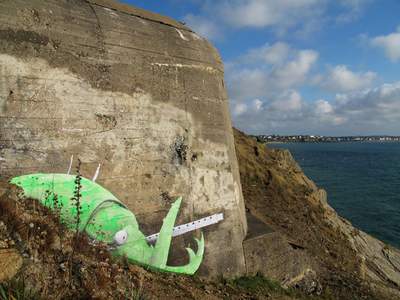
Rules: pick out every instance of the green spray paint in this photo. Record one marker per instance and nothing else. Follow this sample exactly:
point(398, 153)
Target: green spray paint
point(104, 218)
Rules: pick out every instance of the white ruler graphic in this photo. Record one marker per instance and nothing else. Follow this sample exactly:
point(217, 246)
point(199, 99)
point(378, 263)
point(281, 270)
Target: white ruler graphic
point(181, 229)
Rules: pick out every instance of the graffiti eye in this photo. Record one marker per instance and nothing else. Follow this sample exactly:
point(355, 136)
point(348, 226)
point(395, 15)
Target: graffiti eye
point(121, 237)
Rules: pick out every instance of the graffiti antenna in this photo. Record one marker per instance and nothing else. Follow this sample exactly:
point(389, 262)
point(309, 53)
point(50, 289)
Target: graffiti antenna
point(97, 173)
point(70, 164)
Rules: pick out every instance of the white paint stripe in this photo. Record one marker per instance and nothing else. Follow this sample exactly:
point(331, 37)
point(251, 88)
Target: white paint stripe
point(70, 164)
point(181, 35)
point(97, 173)
point(199, 67)
point(184, 228)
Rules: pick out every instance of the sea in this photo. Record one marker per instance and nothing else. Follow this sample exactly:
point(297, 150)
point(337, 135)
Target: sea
point(362, 180)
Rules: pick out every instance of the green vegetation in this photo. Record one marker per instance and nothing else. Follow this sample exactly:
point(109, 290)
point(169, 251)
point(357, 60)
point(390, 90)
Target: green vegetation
point(262, 286)
point(259, 283)
point(17, 290)
point(136, 295)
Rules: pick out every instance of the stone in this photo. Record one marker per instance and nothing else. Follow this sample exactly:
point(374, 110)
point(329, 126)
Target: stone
point(10, 264)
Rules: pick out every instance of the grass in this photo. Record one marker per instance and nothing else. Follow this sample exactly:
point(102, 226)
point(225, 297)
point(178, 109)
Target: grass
point(260, 285)
point(135, 295)
point(16, 289)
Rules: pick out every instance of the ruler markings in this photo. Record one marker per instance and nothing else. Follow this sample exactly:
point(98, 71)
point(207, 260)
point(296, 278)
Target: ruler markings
point(184, 228)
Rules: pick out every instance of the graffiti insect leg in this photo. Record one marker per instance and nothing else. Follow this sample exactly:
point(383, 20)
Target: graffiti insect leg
point(104, 218)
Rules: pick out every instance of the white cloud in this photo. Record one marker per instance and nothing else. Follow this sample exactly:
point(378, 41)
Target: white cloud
point(273, 54)
point(257, 105)
point(295, 71)
point(324, 113)
point(297, 17)
point(368, 111)
point(247, 84)
point(239, 109)
point(262, 84)
point(203, 26)
point(381, 104)
point(267, 13)
point(301, 17)
point(269, 70)
point(355, 4)
point(353, 9)
point(390, 44)
point(287, 101)
point(341, 79)
point(323, 107)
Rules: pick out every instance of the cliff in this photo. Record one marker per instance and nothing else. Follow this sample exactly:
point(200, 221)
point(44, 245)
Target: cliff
point(136, 92)
point(307, 243)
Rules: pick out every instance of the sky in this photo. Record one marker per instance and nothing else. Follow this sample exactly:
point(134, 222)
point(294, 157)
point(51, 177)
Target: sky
point(318, 67)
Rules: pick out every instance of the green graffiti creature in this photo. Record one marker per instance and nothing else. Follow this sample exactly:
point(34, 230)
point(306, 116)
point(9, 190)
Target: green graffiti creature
point(104, 218)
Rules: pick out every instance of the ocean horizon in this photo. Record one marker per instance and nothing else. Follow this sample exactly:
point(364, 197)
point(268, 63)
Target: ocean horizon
point(362, 180)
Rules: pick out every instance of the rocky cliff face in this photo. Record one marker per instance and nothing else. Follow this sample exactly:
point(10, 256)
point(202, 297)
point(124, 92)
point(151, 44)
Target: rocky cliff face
point(136, 92)
point(307, 244)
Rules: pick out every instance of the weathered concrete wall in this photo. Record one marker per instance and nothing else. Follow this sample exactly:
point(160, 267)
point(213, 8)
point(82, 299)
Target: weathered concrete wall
point(137, 92)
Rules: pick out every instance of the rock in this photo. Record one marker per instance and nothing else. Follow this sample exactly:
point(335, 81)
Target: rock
point(10, 263)
point(307, 282)
point(56, 243)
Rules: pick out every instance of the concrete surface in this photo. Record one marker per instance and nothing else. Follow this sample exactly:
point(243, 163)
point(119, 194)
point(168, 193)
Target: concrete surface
point(136, 92)
point(270, 253)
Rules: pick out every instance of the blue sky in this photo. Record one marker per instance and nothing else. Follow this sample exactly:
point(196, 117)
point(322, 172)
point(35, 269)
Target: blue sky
point(327, 67)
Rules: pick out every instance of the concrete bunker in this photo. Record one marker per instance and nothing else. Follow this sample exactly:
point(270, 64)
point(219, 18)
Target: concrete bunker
point(117, 86)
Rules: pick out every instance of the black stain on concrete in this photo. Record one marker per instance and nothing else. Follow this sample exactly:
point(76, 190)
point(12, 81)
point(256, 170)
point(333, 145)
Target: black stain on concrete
point(20, 36)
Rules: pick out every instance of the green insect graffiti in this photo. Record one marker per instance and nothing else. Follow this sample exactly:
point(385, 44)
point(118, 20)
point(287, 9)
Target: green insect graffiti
point(104, 218)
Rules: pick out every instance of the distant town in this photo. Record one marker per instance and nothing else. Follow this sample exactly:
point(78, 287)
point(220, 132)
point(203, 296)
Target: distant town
point(323, 139)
